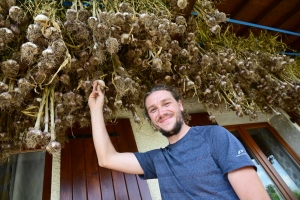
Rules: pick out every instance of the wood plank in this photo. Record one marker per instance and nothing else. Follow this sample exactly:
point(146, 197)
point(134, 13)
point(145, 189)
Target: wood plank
point(66, 173)
point(106, 182)
point(118, 178)
point(121, 140)
point(133, 189)
point(291, 14)
point(259, 17)
point(123, 144)
point(47, 177)
point(142, 184)
point(107, 187)
point(144, 190)
point(242, 5)
point(119, 185)
point(91, 170)
point(78, 169)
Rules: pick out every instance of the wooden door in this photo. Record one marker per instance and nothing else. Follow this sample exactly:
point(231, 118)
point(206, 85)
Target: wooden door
point(200, 119)
point(83, 179)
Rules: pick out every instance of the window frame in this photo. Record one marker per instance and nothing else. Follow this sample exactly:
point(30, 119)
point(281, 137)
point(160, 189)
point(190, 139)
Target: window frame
point(260, 156)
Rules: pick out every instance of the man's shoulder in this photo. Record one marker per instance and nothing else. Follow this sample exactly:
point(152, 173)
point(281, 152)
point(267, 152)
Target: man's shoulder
point(206, 129)
point(151, 153)
point(209, 132)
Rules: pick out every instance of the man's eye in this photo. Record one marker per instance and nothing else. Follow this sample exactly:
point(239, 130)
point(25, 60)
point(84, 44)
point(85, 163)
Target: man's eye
point(152, 110)
point(166, 104)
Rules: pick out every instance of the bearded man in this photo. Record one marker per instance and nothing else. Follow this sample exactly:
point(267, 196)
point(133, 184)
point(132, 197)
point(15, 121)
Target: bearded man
point(200, 162)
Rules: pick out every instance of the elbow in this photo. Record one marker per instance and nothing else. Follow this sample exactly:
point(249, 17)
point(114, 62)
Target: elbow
point(102, 163)
point(106, 160)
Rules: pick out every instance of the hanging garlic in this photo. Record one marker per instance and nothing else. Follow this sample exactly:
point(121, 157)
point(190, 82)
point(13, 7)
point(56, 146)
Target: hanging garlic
point(182, 4)
point(42, 20)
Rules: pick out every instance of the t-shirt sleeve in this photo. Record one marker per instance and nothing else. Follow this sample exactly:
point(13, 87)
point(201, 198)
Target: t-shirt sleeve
point(228, 151)
point(147, 164)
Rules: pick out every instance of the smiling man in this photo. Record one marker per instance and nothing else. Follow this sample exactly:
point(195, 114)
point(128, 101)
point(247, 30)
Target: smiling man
point(200, 162)
point(165, 113)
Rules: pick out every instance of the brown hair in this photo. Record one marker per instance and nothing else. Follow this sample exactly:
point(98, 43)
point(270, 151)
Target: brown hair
point(174, 92)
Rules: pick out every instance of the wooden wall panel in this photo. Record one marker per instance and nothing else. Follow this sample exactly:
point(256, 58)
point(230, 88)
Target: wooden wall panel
point(107, 187)
point(82, 178)
point(123, 146)
point(118, 177)
point(126, 127)
point(144, 190)
point(92, 172)
point(78, 169)
point(127, 144)
point(132, 185)
point(66, 186)
point(47, 177)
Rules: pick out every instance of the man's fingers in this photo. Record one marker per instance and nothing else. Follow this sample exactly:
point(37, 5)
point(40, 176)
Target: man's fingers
point(98, 88)
point(95, 86)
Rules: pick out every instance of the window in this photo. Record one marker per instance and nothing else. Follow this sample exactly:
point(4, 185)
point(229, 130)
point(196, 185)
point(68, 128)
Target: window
point(278, 165)
point(22, 176)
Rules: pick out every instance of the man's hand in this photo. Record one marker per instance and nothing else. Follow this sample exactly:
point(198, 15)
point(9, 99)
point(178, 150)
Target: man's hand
point(96, 98)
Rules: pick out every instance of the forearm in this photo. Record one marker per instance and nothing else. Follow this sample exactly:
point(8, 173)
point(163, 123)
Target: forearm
point(247, 184)
point(104, 148)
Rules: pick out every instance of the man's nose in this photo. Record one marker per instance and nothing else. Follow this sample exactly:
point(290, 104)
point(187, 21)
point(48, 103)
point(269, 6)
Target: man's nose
point(161, 111)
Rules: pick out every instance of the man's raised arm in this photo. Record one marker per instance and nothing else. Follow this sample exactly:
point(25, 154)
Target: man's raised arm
point(108, 157)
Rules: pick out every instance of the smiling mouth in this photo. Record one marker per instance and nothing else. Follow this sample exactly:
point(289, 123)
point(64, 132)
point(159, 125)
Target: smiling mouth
point(163, 120)
point(166, 117)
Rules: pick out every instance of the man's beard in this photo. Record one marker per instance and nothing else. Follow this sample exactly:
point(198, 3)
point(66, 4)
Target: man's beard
point(175, 130)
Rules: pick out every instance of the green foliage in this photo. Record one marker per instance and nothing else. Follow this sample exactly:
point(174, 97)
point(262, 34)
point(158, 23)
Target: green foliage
point(297, 194)
point(272, 192)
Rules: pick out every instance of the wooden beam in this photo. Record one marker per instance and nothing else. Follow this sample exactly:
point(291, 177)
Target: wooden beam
point(259, 17)
point(239, 8)
point(289, 15)
point(296, 43)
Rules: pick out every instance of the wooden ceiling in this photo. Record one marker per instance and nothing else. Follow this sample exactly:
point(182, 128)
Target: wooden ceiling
point(279, 14)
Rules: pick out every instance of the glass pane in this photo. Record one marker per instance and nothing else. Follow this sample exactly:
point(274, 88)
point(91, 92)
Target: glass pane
point(269, 185)
point(22, 176)
point(282, 161)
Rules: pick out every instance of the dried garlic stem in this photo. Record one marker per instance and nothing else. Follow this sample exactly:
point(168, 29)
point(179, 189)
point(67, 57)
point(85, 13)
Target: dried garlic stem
point(11, 85)
point(37, 125)
point(66, 61)
point(52, 127)
point(94, 8)
point(46, 119)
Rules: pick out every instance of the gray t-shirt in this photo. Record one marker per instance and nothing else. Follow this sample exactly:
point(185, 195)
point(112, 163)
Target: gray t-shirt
point(196, 166)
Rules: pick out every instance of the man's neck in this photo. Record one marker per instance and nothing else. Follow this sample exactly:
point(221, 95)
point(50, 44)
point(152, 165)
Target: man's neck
point(183, 131)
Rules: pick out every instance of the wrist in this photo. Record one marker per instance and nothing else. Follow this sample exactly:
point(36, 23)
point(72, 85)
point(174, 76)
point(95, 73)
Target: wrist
point(97, 110)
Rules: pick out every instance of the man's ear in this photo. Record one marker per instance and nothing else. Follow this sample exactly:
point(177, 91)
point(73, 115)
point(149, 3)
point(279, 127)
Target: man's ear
point(180, 105)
